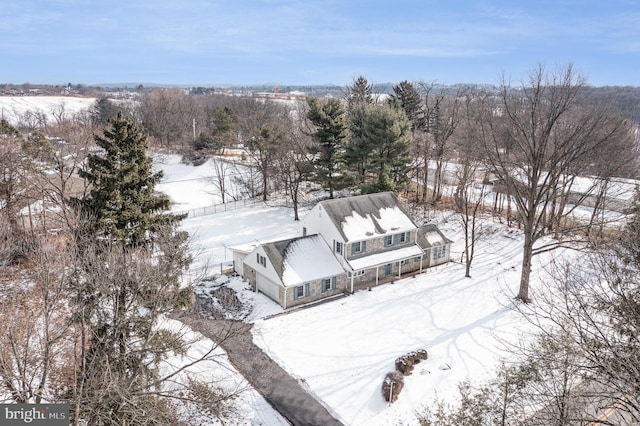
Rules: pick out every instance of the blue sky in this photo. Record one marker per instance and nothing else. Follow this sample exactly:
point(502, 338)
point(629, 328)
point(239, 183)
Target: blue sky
point(205, 42)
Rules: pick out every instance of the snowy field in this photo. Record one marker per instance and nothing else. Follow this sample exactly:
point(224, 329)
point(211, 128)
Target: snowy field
point(343, 349)
point(12, 108)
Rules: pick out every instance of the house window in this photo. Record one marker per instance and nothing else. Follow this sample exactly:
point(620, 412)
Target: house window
point(402, 238)
point(356, 273)
point(439, 252)
point(326, 285)
point(402, 262)
point(261, 260)
point(358, 247)
point(338, 247)
point(387, 269)
point(301, 291)
point(417, 259)
point(388, 240)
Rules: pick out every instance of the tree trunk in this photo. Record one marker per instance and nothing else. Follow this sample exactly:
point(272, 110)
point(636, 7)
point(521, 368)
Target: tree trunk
point(294, 200)
point(527, 256)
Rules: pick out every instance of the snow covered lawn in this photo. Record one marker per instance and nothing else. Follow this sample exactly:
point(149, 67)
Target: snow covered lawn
point(344, 348)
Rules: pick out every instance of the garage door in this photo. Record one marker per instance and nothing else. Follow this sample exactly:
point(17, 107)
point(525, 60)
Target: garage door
point(268, 287)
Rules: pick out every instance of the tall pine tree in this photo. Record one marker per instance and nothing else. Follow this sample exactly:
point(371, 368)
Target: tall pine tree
point(328, 117)
point(359, 93)
point(406, 96)
point(126, 279)
point(378, 154)
point(123, 204)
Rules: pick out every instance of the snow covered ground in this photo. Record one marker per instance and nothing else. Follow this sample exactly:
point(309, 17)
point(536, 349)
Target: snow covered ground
point(12, 108)
point(344, 348)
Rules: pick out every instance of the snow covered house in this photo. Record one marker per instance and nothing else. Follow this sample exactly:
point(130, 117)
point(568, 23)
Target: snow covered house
point(346, 244)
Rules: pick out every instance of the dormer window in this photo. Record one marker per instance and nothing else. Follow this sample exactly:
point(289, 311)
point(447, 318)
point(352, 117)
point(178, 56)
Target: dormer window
point(358, 247)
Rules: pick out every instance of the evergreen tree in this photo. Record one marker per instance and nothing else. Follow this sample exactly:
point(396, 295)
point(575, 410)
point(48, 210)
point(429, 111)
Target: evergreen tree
point(328, 117)
point(359, 93)
point(406, 96)
point(127, 265)
point(103, 110)
point(263, 148)
point(123, 204)
point(358, 150)
point(222, 123)
point(383, 139)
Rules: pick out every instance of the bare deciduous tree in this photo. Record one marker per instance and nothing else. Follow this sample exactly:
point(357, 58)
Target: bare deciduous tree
point(535, 138)
point(38, 337)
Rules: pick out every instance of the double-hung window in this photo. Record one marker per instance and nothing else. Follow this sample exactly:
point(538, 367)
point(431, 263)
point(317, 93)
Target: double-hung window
point(329, 284)
point(388, 240)
point(301, 291)
point(358, 247)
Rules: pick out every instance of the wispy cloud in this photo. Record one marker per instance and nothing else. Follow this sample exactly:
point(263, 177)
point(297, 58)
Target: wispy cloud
point(314, 36)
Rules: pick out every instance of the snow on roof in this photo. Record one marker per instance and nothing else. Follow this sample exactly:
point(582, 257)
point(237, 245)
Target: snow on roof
point(244, 248)
point(434, 238)
point(385, 257)
point(391, 220)
point(307, 259)
point(429, 236)
point(365, 216)
point(617, 188)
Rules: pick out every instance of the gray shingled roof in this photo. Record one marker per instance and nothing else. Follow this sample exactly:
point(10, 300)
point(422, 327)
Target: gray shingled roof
point(276, 252)
point(429, 236)
point(366, 205)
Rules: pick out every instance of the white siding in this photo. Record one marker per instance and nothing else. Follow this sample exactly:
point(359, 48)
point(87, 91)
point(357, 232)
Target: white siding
point(268, 287)
point(318, 222)
point(267, 270)
point(238, 262)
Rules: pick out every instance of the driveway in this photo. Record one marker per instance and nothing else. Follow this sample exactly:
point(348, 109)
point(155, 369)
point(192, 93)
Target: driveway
point(283, 392)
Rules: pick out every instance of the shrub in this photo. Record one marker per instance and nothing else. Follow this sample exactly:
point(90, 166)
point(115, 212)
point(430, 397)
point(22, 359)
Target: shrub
point(392, 386)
